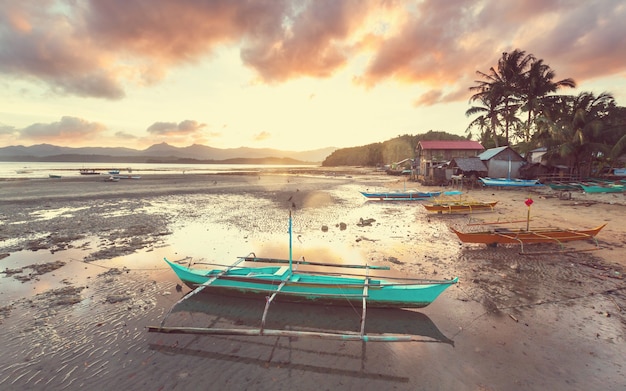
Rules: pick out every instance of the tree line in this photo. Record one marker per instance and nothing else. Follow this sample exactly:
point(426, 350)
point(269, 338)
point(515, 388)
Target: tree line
point(516, 104)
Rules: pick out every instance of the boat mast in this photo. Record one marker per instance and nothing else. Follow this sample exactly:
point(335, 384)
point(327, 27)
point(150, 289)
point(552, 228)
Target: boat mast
point(290, 245)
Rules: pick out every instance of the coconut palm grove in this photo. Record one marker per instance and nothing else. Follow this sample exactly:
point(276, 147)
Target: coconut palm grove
point(520, 103)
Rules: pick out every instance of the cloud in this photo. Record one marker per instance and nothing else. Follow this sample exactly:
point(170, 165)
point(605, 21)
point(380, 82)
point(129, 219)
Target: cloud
point(184, 128)
point(7, 130)
point(101, 48)
point(67, 130)
point(125, 135)
point(262, 136)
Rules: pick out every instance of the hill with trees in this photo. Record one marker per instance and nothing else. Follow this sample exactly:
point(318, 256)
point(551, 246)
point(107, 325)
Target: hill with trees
point(390, 151)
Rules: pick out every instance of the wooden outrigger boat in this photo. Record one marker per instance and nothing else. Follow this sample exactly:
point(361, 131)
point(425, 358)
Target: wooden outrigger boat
point(459, 206)
point(411, 195)
point(508, 182)
point(521, 236)
point(283, 281)
point(408, 195)
point(603, 188)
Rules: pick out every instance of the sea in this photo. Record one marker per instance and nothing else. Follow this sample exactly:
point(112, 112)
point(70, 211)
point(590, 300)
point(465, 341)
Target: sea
point(34, 170)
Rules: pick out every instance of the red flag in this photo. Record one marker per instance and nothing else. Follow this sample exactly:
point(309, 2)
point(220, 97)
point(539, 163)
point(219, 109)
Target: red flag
point(528, 202)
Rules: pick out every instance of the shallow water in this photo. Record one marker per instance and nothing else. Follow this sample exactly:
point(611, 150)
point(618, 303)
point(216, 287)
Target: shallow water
point(511, 323)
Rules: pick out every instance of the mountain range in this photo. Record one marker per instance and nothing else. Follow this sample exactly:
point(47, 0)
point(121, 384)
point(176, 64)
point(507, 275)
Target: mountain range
point(159, 153)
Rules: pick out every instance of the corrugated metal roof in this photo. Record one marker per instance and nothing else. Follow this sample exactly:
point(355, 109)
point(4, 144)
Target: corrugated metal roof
point(470, 164)
point(446, 144)
point(491, 152)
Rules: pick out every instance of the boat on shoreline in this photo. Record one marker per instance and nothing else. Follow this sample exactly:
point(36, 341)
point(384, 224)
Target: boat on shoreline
point(88, 171)
point(602, 188)
point(502, 235)
point(407, 195)
point(284, 280)
point(327, 288)
point(508, 182)
point(459, 206)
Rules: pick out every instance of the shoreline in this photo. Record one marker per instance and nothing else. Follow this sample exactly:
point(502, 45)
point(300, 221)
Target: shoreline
point(88, 254)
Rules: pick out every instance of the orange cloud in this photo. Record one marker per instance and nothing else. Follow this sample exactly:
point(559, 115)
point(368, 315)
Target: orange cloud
point(100, 48)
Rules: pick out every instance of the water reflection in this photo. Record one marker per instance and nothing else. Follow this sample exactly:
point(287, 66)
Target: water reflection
point(208, 310)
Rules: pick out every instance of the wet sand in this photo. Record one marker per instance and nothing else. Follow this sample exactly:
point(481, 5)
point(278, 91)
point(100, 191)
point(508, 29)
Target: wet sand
point(83, 278)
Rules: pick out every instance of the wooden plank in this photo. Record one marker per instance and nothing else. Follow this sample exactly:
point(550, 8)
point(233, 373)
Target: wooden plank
point(271, 298)
point(365, 294)
point(304, 262)
point(284, 333)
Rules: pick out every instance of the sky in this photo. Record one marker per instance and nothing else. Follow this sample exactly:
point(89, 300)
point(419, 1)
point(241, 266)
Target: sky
point(293, 75)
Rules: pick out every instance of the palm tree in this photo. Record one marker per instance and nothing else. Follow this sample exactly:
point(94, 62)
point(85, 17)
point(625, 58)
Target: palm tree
point(574, 128)
point(488, 120)
point(538, 83)
point(502, 85)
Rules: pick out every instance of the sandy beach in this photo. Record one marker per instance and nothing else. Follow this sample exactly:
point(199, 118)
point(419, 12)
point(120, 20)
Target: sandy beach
point(83, 276)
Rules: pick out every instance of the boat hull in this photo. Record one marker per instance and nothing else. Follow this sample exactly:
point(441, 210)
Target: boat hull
point(602, 189)
point(460, 207)
point(406, 196)
point(312, 288)
point(505, 236)
point(503, 182)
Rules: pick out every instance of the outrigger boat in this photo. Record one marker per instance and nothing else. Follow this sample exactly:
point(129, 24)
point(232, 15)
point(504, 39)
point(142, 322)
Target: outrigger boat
point(409, 195)
point(285, 282)
point(521, 236)
point(508, 182)
point(459, 206)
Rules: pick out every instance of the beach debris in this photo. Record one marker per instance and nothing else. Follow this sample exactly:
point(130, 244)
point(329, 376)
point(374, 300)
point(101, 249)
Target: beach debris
point(324, 228)
point(360, 238)
point(394, 260)
point(112, 299)
point(342, 226)
point(365, 222)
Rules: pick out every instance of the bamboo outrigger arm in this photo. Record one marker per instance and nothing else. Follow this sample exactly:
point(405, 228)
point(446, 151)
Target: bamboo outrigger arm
point(287, 333)
point(200, 288)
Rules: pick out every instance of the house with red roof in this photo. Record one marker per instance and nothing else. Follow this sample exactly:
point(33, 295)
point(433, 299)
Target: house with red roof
point(433, 155)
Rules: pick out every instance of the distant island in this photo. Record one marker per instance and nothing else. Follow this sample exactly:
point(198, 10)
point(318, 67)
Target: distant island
point(163, 153)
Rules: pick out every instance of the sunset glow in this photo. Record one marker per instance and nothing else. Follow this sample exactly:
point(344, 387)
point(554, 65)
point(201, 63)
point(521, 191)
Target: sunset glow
point(291, 74)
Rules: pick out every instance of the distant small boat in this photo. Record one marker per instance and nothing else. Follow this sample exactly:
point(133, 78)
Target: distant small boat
point(55, 176)
point(112, 179)
point(505, 182)
point(619, 171)
point(114, 172)
point(85, 171)
point(127, 176)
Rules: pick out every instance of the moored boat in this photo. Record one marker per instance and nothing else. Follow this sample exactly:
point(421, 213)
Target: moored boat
point(602, 188)
point(506, 182)
point(87, 171)
point(459, 206)
point(408, 195)
point(521, 236)
point(314, 287)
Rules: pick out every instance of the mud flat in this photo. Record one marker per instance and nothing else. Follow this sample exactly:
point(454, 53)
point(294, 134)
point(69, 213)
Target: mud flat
point(83, 276)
